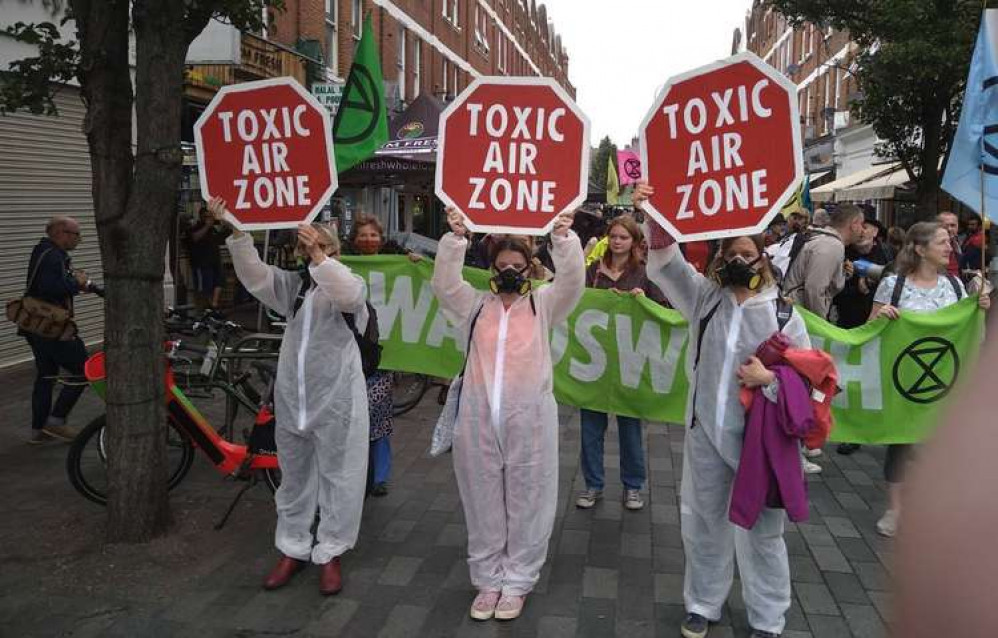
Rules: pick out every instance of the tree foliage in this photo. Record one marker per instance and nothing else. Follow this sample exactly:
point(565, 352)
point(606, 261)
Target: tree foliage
point(598, 164)
point(911, 70)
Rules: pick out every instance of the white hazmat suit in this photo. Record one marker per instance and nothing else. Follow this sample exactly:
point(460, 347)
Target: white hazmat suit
point(320, 403)
point(713, 447)
point(506, 435)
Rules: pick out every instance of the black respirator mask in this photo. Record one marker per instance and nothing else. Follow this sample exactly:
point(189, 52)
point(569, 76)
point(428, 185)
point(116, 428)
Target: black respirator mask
point(738, 272)
point(509, 280)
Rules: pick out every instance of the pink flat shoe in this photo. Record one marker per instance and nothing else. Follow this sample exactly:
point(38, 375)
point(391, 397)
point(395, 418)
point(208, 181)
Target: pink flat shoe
point(484, 606)
point(509, 607)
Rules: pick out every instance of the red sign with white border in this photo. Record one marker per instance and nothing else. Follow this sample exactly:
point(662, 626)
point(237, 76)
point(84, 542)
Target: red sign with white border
point(722, 148)
point(266, 147)
point(513, 155)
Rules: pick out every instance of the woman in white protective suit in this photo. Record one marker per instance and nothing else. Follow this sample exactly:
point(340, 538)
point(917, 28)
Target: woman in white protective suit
point(320, 400)
point(506, 435)
point(735, 307)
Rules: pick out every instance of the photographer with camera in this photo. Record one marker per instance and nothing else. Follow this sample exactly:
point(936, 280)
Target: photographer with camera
point(52, 280)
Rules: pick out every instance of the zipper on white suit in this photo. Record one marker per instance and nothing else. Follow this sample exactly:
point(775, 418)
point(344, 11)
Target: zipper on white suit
point(729, 358)
point(497, 375)
point(302, 349)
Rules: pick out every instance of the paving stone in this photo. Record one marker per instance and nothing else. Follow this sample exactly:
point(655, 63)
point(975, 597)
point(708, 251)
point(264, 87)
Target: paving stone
point(574, 542)
point(846, 588)
point(828, 627)
point(556, 627)
point(669, 589)
point(453, 535)
point(816, 535)
point(841, 527)
point(864, 621)
point(857, 550)
point(597, 618)
point(396, 531)
point(335, 616)
point(851, 501)
point(635, 545)
point(816, 599)
point(599, 583)
point(872, 575)
point(804, 570)
point(830, 559)
point(404, 621)
point(883, 602)
point(669, 560)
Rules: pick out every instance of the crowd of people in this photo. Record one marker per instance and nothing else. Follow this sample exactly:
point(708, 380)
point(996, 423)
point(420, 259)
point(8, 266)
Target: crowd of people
point(334, 419)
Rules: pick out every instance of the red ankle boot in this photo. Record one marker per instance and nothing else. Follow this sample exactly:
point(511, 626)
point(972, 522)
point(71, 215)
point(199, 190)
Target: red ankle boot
point(282, 573)
point(330, 578)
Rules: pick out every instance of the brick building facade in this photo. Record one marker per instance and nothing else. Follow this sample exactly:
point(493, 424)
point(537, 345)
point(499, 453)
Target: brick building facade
point(817, 59)
point(429, 46)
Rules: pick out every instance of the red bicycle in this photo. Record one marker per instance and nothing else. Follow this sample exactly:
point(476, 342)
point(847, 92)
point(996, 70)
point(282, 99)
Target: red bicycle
point(186, 430)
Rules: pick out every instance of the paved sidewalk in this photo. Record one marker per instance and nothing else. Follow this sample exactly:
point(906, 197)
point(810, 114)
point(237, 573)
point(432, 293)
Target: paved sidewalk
point(610, 572)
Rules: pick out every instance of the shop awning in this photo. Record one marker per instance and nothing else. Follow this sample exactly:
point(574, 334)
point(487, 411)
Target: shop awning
point(827, 193)
point(817, 177)
point(883, 187)
point(412, 134)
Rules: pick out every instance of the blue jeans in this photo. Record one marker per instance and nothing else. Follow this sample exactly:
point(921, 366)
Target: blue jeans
point(379, 461)
point(632, 453)
point(50, 356)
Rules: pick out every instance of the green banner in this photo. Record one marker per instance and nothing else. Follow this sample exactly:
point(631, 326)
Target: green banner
point(625, 355)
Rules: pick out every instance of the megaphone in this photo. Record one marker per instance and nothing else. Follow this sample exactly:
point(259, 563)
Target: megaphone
point(868, 269)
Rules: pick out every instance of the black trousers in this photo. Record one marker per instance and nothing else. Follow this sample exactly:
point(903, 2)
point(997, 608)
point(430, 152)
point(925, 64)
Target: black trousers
point(895, 461)
point(50, 355)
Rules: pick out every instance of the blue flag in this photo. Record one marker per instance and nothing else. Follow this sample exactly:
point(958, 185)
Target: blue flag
point(975, 145)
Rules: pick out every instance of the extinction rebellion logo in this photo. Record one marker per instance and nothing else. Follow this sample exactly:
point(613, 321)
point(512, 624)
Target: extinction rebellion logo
point(926, 370)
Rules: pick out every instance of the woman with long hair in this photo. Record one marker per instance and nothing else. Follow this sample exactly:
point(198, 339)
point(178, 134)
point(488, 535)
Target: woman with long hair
point(506, 434)
point(731, 310)
point(622, 270)
point(922, 284)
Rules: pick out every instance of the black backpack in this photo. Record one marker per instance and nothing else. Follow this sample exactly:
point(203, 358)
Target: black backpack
point(369, 342)
point(899, 288)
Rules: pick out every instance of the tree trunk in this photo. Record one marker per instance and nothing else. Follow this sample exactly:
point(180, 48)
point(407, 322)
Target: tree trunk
point(135, 201)
point(927, 191)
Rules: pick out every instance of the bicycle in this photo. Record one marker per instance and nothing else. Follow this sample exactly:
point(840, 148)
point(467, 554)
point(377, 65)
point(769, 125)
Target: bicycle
point(408, 389)
point(186, 430)
point(221, 367)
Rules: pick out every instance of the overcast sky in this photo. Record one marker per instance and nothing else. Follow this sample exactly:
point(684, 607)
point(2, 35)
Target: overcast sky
point(621, 52)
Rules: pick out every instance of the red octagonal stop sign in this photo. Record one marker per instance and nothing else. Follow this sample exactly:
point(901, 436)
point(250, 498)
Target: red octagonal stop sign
point(722, 148)
point(266, 148)
point(514, 154)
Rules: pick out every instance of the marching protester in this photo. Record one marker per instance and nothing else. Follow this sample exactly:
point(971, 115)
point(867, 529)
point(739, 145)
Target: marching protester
point(972, 244)
point(819, 271)
point(206, 260)
point(731, 311)
point(51, 279)
point(951, 223)
point(922, 284)
point(506, 434)
point(367, 237)
point(320, 400)
point(868, 257)
point(621, 270)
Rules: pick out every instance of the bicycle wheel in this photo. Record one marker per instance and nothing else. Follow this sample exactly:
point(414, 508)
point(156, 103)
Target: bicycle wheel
point(407, 391)
point(272, 477)
point(86, 462)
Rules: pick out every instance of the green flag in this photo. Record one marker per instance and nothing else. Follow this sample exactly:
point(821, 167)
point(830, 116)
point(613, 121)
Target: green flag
point(361, 124)
point(612, 184)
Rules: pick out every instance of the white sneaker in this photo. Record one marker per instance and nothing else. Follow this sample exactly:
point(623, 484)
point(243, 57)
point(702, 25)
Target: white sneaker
point(811, 468)
point(888, 524)
point(811, 454)
point(588, 498)
point(633, 500)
